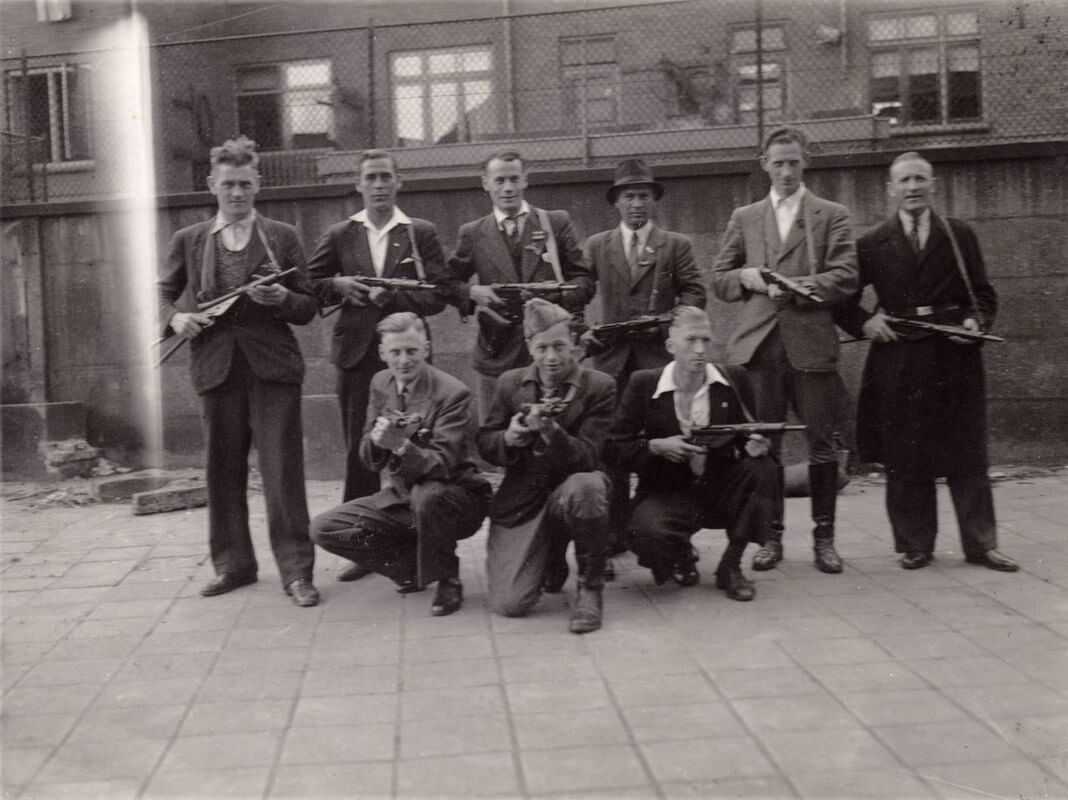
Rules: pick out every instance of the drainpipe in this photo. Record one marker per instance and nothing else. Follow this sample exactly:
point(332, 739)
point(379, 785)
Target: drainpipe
point(509, 66)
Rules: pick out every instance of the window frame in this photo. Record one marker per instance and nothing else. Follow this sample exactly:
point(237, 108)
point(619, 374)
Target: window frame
point(575, 85)
point(281, 91)
point(60, 112)
point(775, 56)
point(426, 80)
point(942, 43)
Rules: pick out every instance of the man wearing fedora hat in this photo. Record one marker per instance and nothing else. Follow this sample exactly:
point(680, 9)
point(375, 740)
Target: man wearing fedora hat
point(641, 270)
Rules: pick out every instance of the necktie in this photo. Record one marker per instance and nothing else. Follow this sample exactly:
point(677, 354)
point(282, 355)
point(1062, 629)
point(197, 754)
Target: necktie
point(634, 256)
point(511, 227)
point(402, 398)
point(914, 231)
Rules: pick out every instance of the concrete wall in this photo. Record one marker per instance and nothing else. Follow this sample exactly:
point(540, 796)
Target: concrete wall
point(91, 353)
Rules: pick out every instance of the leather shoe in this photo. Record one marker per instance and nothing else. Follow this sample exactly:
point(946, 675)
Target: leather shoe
point(448, 598)
point(587, 612)
point(915, 560)
point(303, 592)
point(354, 571)
point(686, 574)
point(992, 559)
point(409, 587)
point(825, 557)
point(735, 584)
point(226, 582)
point(769, 554)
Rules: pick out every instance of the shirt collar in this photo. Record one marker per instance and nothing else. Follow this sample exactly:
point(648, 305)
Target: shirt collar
point(398, 218)
point(667, 379)
point(411, 386)
point(793, 201)
point(500, 216)
point(572, 376)
point(238, 224)
point(643, 232)
point(906, 218)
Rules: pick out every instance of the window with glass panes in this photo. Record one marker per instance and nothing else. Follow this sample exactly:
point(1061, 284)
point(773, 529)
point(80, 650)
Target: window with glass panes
point(442, 96)
point(589, 79)
point(49, 113)
point(925, 67)
point(287, 106)
point(749, 77)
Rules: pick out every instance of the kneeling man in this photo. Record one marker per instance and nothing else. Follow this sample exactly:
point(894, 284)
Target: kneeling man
point(419, 423)
point(546, 425)
point(683, 487)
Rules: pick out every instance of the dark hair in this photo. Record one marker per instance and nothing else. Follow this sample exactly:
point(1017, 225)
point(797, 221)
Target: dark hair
point(370, 155)
point(236, 152)
point(785, 135)
point(400, 322)
point(504, 155)
point(911, 155)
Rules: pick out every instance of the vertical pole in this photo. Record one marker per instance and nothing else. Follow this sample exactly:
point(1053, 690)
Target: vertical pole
point(509, 66)
point(372, 121)
point(760, 71)
point(583, 89)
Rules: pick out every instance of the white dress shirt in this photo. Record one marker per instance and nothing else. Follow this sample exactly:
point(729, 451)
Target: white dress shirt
point(520, 218)
point(786, 209)
point(378, 238)
point(696, 416)
point(628, 237)
point(235, 232)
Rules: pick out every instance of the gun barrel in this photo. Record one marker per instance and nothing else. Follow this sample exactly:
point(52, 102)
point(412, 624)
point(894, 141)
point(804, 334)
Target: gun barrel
point(944, 330)
point(240, 290)
point(790, 285)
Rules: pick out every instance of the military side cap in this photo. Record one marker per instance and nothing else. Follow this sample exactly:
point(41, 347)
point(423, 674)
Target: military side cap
point(633, 172)
point(539, 315)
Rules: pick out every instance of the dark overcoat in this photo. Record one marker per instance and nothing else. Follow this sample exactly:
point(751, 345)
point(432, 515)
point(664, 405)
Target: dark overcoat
point(922, 404)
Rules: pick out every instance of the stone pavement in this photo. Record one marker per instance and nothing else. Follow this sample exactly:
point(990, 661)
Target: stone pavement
point(948, 682)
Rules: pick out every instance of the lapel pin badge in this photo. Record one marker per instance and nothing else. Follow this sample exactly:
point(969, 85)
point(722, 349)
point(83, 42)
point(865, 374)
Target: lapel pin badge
point(538, 235)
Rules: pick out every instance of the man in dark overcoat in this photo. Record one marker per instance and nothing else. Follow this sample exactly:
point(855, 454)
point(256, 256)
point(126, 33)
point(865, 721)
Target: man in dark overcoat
point(381, 241)
point(922, 405)
point(546, 426)
point(418, 432)
point(789, 344)
point(247, 368)
point(514, 243)
point(682, 486)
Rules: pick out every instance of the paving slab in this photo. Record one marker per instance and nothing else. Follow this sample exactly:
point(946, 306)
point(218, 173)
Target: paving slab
point(120, 681)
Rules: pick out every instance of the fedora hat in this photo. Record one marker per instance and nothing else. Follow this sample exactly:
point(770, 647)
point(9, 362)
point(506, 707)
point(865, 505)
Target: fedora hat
point(633, 172)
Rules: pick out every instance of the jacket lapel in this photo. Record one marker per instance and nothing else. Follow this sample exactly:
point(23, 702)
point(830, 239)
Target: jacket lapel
point(257, 255)
point(396, 250)
point(796, 234)
point(770, 227)
point(530, 257)
point(496, 251)
point(904, 261)
point(617, 255)
point(357, 255)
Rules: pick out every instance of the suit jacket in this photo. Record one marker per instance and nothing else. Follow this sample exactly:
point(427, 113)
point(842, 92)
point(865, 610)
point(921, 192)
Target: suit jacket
point(532, 472)
point(922, 404)
point(752, 240)
point(481, 250)
point(261, 332)
point(641, 417)
point(441, 451)
point(344, 250)
point(667, 276)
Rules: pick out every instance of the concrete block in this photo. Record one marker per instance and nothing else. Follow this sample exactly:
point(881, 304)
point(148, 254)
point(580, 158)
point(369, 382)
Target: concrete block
point(176, 496)
point(69, 458)
point(114, 490)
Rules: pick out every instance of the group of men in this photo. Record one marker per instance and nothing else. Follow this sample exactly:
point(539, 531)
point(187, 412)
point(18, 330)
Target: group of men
point(567, 432)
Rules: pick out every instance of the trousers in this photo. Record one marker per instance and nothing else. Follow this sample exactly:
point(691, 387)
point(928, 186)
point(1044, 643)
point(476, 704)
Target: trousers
point(912, 507)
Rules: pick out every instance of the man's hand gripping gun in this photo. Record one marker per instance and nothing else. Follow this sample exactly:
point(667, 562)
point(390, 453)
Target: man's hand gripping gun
point(372, 282)
point(790, 285)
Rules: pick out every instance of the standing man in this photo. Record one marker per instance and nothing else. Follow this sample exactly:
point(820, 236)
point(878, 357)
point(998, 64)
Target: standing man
point(684, 487)
point(419, 426)
point(515, 243)
point(922, 405)
point(641, 270)
point(789, 344)
point(247, 367)
point(379, 241)
point(546, 428)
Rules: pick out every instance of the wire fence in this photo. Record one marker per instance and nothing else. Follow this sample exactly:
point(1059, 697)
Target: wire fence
point(673, 82)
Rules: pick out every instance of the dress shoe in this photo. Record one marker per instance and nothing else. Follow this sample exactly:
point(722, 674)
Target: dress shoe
point(587, 611)
point(769, 554)
point(226, 582)
point(686, 574)
point(354, 571)
point(735, 584)
point(992, 559)
point(409, 587)
point(448, 598)
point(303, 592)
point(915, 560)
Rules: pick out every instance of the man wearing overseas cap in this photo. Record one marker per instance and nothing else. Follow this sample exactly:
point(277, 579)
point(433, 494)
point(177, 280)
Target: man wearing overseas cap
point(546, 425)
point(641, 270)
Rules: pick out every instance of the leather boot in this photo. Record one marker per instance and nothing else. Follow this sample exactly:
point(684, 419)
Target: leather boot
point(588, 609)
point(770, 553)
point(823, 486)
point(729, 575)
